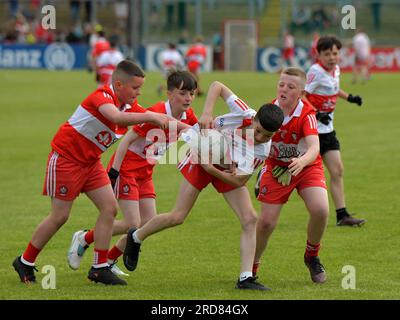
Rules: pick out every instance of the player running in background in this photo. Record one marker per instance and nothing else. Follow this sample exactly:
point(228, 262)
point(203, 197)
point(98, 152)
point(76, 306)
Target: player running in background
point(131, 168)
point(321, 91)
point(195, 58)
point(248, 152)
point(362, 60)
point(288, 52)
point(107, 62)
point(171, 60)
point(74, 167)
point(313, 48)
point(294, 163)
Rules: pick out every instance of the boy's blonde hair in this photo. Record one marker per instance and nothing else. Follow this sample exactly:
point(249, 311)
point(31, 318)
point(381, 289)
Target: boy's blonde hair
point(296, 72)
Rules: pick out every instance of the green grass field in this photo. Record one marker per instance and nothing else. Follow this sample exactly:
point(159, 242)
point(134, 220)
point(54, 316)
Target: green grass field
point(200, 259)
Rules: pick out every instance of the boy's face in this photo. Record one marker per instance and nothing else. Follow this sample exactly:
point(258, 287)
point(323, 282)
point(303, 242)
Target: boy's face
point(289, 91)
point(180, 100)
point(329, 58)
point(127, 91)
point(260, 134)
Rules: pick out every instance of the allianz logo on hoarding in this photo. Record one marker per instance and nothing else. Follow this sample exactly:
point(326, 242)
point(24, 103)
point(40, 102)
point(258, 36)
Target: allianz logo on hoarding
point(56, 56)
point(20, 58)
point(59, 56)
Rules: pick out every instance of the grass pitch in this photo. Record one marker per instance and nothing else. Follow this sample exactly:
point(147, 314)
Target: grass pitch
point(200, 259)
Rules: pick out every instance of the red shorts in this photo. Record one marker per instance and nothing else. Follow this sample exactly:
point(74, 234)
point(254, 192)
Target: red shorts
point(288, 53)
point(129, 187)
point(66, 179)
point(194, 67)
point(199, 178)
point(271, 191)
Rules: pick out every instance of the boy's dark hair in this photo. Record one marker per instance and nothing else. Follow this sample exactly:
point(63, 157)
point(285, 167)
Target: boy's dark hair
point(270, 117)
point(182, 80)
point(127, 69)
point(327, 43)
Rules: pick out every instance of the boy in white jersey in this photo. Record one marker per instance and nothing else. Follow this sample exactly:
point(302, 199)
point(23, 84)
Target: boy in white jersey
point(74, 167)
point(171, 60)
point(241, 121)
point(131, 167)
point(322, 90)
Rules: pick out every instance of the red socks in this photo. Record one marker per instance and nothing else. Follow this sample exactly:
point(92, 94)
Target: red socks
point(114, 253)
point(89, 237)
point(312, 250)
point(30, 254)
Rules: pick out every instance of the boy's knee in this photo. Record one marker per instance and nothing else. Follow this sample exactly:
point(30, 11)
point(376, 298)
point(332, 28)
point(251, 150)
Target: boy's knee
point(265, 224)
point(176, 218)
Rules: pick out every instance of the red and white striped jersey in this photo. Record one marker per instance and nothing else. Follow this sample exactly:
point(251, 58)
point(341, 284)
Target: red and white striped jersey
point(322, 90)
point(288, 142)
point(244, 152)
point(87, 133)
point(106, 63)
point(171, 59)
point(151, 145)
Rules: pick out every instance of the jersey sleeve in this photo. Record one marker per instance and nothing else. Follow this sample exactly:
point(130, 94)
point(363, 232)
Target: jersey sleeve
point(238, 106)
point(101, 97)
point(309, 124)
point(312, 81)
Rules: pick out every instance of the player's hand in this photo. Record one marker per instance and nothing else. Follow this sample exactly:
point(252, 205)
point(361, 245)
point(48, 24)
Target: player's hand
point(355, 99)
point(296, 166)
point(113, 175)
point(161, 120)
point(206, 121)
point(323, 117)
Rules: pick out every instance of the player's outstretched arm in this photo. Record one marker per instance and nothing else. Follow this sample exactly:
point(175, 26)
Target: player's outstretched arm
point(122, 149)
point(297, 164)
point(350, 98)
point(234, 179)
point(110, 112)
point(216, 90)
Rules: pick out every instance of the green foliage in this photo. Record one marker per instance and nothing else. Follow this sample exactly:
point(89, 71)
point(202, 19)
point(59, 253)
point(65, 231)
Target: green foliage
point(200, 259)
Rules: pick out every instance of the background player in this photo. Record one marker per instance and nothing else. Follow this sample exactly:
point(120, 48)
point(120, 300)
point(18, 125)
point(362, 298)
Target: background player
point(107, 62)
point(195, 58)
point(131, 168)
point(321, 91)
point(74, 166)
point(171, 60)
point(362, 59)
point(294, 163)
point(247, 153)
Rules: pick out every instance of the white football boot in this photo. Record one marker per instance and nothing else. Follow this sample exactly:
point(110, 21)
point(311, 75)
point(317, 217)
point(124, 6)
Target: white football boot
point(116, 270)
point(76, 250)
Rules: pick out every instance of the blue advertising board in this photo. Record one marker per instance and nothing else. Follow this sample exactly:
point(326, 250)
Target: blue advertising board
point(55, 56)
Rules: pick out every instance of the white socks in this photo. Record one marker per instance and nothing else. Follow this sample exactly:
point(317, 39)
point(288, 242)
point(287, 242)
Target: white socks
point(245, 275)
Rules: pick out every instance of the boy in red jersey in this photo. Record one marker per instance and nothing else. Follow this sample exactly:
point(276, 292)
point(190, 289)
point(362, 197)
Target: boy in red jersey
point(74, 167)
point(195, 58)
point(248, 134)
point(294, 163)
point(322, 90)
point(131, 167)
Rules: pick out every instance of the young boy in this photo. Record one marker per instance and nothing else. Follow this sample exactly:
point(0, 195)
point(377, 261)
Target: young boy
point(322, 90)
point(234, 126)
point(294, 163)
point(74, 166)
point(131, 168)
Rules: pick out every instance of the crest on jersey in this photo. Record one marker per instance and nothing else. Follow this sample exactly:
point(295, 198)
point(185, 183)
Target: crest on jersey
point(104, 138)
point(294, 136)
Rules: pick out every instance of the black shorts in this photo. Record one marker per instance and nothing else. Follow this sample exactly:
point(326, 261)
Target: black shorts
point(327, 142)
